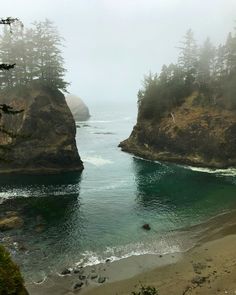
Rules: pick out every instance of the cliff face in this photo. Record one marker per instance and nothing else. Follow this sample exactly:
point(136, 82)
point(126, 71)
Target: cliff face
point(78, 108)
point(190, 134)
point(42, 138)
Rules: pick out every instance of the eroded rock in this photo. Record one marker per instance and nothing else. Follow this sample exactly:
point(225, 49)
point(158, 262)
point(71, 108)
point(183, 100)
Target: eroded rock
point(41, 139)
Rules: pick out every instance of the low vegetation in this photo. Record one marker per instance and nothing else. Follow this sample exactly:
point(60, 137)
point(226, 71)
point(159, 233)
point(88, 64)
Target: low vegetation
point(11, 281)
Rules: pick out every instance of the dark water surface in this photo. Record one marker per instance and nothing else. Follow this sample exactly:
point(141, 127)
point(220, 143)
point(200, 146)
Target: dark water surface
point(85, 218)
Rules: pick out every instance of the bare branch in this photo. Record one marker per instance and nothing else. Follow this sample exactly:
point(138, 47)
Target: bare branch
point(6, 67)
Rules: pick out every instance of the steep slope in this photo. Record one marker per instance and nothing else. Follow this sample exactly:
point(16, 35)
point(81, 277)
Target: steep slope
point(193, 134)
point(42, 138)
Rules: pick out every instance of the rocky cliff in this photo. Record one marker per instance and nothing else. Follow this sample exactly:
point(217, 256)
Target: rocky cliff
point(41, 139)
point(78, 108)
point(192, 133)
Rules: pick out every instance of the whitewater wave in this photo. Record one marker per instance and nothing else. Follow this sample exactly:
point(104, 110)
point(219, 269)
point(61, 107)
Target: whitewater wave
point(220, 172)
point(162, 247)
point(39, 192)
point(102, 187)
point(97, 161)
point(128, 118)
point(99, 121)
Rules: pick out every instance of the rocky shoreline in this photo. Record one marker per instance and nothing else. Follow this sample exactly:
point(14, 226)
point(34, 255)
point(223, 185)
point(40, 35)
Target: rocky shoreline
point(149, 153)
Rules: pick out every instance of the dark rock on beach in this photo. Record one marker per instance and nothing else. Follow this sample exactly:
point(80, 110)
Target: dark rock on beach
point(78, 270)
point(66, 271)
point(78, 285)
point(93, 276)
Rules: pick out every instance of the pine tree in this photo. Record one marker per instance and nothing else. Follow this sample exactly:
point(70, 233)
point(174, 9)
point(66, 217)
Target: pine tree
point(36, 53)
point(206, 60)
point(48, 55)
point(220, 63)
point(230, 48)
point(188, 55)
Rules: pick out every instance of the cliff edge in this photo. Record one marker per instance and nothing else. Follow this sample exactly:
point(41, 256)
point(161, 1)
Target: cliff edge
point(41, 139)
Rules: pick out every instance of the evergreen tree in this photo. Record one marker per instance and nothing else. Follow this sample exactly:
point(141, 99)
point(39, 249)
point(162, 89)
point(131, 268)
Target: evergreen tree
point(230, 48)
point(188, 56)
point(206, 61)
point(48, 55)
point(220, 63)
point(36, 53)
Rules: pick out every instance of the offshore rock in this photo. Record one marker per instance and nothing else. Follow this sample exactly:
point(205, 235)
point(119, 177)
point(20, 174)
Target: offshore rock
point(41, 139)
point(78, 108)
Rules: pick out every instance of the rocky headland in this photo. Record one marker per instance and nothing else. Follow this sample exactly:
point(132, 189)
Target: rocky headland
point(191, 133)
point(78, 108)
point(41, 138)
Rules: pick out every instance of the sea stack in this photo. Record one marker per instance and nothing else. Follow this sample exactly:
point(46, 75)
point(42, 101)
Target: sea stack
point(78, 108)
point(41, 139)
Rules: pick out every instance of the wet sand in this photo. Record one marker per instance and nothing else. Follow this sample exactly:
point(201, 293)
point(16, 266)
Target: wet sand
point(208, 268)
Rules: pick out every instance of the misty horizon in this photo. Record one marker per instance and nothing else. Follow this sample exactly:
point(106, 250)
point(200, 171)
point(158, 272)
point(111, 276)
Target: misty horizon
point(109, 46)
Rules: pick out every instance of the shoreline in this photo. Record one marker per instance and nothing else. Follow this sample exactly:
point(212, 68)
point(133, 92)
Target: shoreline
point(218, 236)
point(206, 269)
point(147, 153)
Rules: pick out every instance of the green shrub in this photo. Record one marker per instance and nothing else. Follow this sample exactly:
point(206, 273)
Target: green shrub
point(11, 281)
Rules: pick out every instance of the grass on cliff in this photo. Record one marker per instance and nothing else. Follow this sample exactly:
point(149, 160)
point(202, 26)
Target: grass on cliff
point(11, 281)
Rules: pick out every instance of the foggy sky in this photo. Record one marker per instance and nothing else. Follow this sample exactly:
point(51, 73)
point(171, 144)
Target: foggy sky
point(111, 44)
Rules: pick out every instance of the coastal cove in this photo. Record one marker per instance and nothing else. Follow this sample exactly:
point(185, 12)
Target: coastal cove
point(85, 218)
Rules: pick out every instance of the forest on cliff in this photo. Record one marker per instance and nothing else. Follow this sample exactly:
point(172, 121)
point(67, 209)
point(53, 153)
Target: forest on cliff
point(206, 69)
point(35, 53)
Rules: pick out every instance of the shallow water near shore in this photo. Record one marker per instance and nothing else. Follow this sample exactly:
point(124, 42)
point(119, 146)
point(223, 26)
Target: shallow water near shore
point(83, 219)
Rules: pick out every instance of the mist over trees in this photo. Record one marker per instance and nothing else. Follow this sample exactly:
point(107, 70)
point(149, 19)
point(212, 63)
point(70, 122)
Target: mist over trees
point(206, 69)
point(36, 53)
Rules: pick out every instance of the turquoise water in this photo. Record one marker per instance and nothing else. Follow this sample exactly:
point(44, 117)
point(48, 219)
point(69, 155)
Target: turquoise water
point(86, 218)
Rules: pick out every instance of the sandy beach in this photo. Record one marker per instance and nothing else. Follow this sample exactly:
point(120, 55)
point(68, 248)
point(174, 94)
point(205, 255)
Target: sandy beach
point(208, 268)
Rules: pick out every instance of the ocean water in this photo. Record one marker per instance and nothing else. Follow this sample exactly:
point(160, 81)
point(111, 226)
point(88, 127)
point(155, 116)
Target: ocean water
point(86, 218)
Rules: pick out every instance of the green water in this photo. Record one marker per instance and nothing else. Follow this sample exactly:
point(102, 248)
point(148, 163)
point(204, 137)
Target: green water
point(86, 218)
